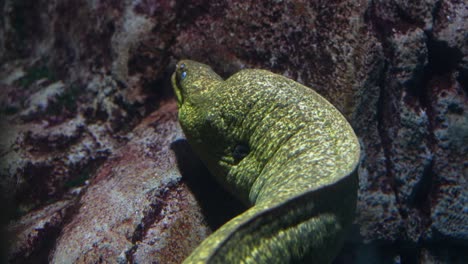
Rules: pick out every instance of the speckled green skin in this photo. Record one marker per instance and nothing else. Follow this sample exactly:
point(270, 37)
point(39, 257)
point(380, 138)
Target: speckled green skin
point(283, 150)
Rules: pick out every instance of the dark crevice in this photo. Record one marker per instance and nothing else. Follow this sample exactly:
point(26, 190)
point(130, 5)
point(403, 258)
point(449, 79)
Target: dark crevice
point(406, 21)
point(80, 173)
point(435, 11)
point(384, 29)
point(442, 58)
point(442, 61)
point(163, 92)
point(124, 123)
point(34, 191)
point(26, 28)
point(383, 109)
point(70, 212)
point(44, 241)
point(420, 197)
point(151, 216)
point(381, 30)
point(190, 11)
point(47, 236)
point(156, 80)
point(463, 78)
point(409, 252)
point(39, 144)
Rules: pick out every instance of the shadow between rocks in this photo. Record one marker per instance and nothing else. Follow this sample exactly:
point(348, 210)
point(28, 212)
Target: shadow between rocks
point(218, 206)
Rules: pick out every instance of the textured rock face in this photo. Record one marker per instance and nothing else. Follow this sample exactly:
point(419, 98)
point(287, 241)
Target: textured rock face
point(121, 218)
point(82, 155)
point(425, 168)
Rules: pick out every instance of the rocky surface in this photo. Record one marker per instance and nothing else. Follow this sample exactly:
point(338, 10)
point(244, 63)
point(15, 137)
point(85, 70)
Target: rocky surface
point(135, 205)
point(34, 234)
point(93, 164)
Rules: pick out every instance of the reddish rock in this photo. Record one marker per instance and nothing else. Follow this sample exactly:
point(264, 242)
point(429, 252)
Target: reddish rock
point(36, 232)
point(136, 208)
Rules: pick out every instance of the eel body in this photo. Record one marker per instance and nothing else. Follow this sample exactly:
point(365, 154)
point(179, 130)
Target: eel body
point(280, 148)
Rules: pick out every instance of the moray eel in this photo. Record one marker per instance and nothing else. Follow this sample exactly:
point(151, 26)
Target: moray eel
point(280, 148)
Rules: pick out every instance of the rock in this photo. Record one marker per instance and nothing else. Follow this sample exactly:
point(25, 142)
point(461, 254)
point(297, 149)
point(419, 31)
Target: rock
point(36, 232)
point(136, 208)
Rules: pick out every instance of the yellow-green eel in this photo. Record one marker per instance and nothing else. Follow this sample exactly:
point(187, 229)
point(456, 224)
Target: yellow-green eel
point(280, 148)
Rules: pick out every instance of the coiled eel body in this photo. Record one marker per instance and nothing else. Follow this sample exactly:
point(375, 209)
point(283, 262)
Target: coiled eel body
point(280, 148)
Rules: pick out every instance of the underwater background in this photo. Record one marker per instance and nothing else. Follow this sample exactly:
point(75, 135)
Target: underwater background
point(93, 165)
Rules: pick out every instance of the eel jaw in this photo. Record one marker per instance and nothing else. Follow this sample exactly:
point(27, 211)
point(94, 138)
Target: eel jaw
point(177, 91)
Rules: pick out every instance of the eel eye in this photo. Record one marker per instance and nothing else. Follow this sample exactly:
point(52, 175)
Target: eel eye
point(183, 71)
point(183, 75)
